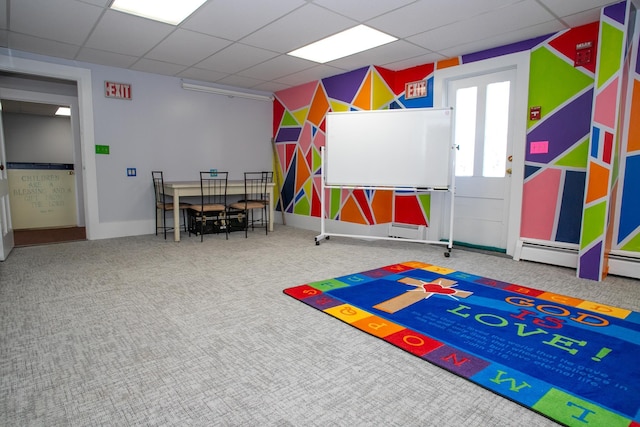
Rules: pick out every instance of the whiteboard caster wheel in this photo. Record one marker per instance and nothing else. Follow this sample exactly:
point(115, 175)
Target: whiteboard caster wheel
point(447, 254)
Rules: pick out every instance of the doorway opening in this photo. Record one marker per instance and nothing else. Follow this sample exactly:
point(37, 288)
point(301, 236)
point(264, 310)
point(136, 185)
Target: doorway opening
point(41, 154)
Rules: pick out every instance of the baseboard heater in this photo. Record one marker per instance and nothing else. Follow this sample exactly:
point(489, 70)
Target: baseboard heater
point(566, 255)
point(562, 254)
point(407, 231)
point(623, 265)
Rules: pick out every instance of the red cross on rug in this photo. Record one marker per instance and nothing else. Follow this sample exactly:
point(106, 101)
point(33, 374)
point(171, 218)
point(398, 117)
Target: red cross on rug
point(423, 290)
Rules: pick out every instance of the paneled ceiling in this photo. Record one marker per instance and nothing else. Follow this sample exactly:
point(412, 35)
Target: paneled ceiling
point(243, 43)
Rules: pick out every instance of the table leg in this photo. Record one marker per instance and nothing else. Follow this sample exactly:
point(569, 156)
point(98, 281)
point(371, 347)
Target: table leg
point(271, 209)
point(176, 216)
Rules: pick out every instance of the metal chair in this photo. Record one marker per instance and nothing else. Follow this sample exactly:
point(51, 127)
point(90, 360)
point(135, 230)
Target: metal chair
point(255, 197)
point(210, 216)
point(164, 205)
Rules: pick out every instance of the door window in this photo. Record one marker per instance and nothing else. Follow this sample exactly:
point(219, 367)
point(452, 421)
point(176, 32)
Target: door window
point(482, 129)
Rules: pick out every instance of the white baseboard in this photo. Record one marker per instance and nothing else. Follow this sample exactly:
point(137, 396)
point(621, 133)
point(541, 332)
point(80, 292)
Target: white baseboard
point(621, 264)
point(554, 253)
point(407, 231)
point(566, 255)
point(109, 230)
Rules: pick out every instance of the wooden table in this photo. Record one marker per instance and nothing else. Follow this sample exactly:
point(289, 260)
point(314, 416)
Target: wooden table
point(178, 189)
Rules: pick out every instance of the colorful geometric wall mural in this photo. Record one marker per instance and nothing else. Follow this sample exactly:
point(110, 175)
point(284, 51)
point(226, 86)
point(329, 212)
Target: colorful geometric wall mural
point(299, 129)
point(604, 145)
point(554, 180)
point(587, 175)
point(627, 234)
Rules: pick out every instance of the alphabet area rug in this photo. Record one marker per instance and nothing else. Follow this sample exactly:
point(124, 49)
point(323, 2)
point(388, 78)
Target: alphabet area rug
point(574, 361)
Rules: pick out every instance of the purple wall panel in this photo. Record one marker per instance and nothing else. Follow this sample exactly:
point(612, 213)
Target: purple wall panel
point(562, 129)
point(504, 50)
point(344, 87)
point(617, 11)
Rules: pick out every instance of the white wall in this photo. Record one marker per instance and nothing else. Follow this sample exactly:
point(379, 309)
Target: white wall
point(37, 139)
point(180, 132)
point(162, 127)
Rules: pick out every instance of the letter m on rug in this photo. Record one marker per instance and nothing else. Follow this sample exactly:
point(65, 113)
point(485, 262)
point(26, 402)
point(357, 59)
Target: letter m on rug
point(499, 379)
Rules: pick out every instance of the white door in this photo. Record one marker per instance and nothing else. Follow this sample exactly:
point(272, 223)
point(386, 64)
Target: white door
point(483, 107)
point(6, 230)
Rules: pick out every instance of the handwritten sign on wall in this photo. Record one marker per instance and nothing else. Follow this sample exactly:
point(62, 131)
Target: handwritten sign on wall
point(41, 198)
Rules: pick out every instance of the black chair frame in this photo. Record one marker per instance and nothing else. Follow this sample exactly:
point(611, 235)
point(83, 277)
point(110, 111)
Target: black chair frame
point(255, 197)
point(165, 205)
point(210, 216)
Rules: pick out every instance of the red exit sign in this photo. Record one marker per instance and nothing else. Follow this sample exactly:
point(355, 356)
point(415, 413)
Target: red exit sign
point(117, 90)
point(415, 89)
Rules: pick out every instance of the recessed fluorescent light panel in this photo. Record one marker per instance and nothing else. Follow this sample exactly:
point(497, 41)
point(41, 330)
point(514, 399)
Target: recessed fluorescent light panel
point(170, 11)
point(63, 111)
point(348, 42)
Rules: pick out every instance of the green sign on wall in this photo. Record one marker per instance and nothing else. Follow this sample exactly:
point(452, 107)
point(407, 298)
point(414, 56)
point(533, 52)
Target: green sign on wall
point(102, 149)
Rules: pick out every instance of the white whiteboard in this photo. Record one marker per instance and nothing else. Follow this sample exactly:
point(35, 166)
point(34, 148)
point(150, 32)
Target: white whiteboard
point(389, 148)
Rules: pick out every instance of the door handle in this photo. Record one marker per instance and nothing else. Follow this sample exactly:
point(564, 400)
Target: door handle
point(1, 167)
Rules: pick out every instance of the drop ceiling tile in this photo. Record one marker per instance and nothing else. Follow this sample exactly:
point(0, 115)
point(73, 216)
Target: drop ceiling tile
point(186, 47)
point(202, 75)
point(271, 87)
point(159, 67)
point(101, 3)
point(106, 58)
point(3, 16)
point(302, 26)
point(236, 57)
point(362, 10)
point(505, 39)
point(389, 52)
point(4, 38)
point(318, 72)
point(127, 34)
point(52, 21)
point(235, 19)
point(239, 81)
point(424, 15)
point(505, 20)
point(42, 46)
point(277, 67)
point(429, 58)
point(582, 18)
point(569, 7)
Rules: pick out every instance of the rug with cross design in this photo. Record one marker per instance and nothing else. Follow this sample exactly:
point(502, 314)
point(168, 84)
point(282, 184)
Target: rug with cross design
point(572, 360)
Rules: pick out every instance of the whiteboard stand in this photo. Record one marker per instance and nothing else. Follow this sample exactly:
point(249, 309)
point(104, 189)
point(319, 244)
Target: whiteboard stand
point(324, 235)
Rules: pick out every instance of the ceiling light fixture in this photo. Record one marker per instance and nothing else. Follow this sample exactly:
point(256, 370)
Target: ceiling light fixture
point(226, 92)
point(63, 111)
point(348, 42)
point(169, 11)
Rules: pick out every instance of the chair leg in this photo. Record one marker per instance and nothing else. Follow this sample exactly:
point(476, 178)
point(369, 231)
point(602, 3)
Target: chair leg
point(156, 220)
point(164, 223)
point(265, 221)
point(184, 219)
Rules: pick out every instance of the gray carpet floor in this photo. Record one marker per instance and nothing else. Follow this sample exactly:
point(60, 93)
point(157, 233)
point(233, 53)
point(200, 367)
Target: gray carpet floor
point(140, 331)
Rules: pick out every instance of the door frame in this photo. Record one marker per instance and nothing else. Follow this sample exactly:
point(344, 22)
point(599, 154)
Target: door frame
point(53, 99)
point(82, 77)
point(6, 239)
point(520, 62)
